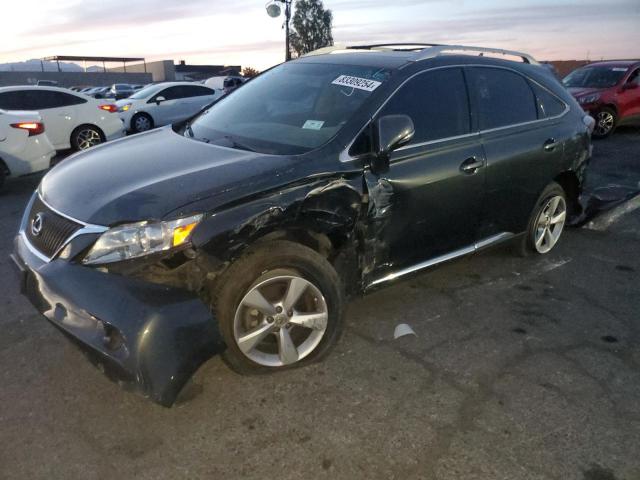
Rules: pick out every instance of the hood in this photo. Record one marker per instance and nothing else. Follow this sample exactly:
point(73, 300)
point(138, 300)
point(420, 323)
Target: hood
point(580, 91)
point(147, 176)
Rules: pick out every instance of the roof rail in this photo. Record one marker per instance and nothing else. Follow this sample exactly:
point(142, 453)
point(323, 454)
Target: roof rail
point(424, 50)
point(440, 49)
point(401, 47)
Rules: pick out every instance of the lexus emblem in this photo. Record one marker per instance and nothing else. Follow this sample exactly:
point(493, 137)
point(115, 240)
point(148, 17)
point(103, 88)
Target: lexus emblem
point(36, 224)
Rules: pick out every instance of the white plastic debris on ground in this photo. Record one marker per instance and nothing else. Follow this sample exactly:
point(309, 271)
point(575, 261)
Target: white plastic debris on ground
point(403, 329)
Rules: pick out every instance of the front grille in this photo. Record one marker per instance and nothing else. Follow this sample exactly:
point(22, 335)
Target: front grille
point(54, 229)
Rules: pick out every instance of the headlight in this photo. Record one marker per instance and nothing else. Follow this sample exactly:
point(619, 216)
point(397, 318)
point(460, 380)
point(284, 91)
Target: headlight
point(589, 98)
point(139, 239)
point(124, 107)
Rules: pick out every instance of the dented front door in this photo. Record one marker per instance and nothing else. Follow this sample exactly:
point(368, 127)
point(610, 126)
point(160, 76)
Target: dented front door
point(429, 201)
point(425, 206)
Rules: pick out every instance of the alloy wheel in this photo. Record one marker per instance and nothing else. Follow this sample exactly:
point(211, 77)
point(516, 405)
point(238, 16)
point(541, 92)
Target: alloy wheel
point(604, 123)
point(550, 224)
point(88, 138)
point(280, 321)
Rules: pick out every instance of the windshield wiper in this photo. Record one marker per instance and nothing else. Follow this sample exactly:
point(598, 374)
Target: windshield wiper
point(239, 145)
point(233, 143)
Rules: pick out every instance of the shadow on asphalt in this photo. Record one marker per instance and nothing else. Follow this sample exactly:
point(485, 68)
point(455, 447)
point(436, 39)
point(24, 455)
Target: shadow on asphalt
point(613, 176)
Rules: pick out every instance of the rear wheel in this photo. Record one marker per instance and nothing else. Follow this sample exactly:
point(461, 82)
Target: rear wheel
point(280, 306)
point(141, 122)
point(86, 136)
point(606, 121)
point(546, 223)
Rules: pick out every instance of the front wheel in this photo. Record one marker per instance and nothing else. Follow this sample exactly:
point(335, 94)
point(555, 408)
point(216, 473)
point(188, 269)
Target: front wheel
point(279, 306)
point(606, 120)
point(546, 223)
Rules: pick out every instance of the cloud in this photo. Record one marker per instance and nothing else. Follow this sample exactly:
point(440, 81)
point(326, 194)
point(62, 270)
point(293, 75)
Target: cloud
point(88, 15)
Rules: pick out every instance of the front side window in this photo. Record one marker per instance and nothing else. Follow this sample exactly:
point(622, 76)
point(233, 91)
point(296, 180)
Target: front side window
point(436, 101)
point(595, 77)
point(291, 109)
point(145, 92)
point(634, 77)
point(503, 97)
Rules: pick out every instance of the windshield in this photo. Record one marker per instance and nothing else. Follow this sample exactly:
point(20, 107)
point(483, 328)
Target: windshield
point(595, 77)
point(289, 110)
point(145, 92)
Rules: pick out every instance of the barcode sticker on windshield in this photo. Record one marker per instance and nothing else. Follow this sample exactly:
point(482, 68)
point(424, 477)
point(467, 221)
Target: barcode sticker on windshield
point(357, 82)
point(313, 124)
point(618, 69)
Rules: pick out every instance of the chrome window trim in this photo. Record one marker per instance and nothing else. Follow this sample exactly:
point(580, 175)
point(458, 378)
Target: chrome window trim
point(433, 142)
point(345, 157)
point(480, 244)
point(86, 229)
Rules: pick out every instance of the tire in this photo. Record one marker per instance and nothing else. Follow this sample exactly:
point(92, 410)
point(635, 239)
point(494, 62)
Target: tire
point(542, 233)
point(606, 122)
point(85, 137)
point(258, 335)
point(141, 122)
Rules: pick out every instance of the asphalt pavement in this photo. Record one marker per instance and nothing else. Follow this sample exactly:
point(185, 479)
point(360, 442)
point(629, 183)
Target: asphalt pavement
point(521, 368)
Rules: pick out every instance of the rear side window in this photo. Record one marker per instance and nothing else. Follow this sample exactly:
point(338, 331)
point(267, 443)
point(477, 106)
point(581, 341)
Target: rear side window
point(502, 97)
point(196, 91)
point(45, 99)
point(436, 101)
point(548, 104)
point(11, 101)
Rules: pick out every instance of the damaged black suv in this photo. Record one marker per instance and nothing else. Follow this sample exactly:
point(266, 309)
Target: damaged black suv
point(243, 231)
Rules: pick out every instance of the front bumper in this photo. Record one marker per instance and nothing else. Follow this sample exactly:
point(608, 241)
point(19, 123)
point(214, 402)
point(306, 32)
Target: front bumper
point(149, 336)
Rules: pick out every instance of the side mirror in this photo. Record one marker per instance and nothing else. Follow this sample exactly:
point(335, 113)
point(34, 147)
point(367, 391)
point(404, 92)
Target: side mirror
point(629, 86)
point(160, 99)
point(391, 132)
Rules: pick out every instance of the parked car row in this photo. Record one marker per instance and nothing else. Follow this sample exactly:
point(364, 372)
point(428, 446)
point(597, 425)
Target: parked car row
point(74, 120)
point(116, 91)
point(50, 119)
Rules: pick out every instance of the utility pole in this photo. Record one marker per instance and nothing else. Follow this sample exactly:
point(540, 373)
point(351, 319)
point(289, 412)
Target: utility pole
point(287, 19)
point(274, 10)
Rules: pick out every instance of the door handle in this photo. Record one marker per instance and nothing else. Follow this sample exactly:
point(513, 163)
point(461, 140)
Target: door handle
point(550, 145)
point(471, 165)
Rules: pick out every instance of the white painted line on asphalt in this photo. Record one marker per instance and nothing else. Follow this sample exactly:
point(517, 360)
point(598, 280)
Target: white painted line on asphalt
point(604, 221)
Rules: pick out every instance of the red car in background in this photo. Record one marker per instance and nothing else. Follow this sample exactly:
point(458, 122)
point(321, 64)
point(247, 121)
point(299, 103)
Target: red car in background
point(609, 92)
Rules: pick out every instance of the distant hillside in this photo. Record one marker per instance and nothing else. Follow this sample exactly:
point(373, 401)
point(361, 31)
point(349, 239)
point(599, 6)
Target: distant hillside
point(35, 65)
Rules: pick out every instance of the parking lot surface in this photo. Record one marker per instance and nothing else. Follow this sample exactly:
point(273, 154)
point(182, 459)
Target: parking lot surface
point(521, 368)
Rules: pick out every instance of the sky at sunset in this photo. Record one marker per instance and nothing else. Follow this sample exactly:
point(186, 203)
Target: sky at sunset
point(240, 32)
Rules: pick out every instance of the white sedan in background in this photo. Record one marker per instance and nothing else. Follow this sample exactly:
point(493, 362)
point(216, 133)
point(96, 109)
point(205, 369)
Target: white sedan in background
point(24, 147)
point(73, 120)
point(164, 104)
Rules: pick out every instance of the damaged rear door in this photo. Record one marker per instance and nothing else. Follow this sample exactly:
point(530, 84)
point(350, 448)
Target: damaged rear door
point(428, 203)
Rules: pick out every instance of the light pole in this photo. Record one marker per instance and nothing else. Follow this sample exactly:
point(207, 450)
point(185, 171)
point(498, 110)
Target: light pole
point(274, 10)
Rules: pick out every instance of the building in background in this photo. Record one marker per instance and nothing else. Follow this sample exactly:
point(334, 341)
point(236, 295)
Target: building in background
point(202, 72)
point(131, 70)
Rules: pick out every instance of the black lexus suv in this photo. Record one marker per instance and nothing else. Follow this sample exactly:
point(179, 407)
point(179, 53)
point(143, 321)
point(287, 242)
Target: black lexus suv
point(242, 231)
